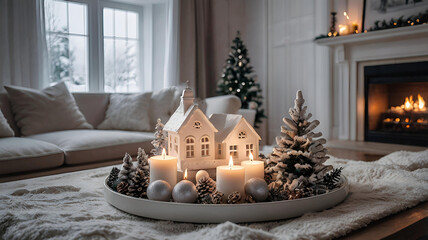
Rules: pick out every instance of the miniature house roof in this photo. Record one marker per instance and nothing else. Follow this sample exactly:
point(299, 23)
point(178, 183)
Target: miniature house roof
point(226, 123)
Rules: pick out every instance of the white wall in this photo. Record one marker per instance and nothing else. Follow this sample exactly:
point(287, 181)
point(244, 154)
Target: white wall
point(295, 62)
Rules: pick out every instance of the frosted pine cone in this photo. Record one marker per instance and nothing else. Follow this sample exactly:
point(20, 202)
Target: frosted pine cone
point(276, 191)
point(140, 183)
point(122, 187)
point(216, 197)
point(234, 198)
point(205, 187)
point(112, 177)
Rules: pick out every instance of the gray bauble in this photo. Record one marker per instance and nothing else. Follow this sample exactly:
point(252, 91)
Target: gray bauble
point(159, 190)
point(257, 188)
point(200, 174)
point(185, 192)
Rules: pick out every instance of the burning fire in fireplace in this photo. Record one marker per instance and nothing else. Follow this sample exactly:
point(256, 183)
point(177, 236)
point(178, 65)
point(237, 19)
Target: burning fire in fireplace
point(412, 115)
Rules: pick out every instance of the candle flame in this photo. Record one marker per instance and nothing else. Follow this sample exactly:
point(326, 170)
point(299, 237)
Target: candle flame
point(163, 153)
point(185, 174)
point(230, 162)
point(346, 15)
point(251, 156)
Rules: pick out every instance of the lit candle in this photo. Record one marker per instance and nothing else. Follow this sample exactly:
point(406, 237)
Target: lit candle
point(185, 191)
point(163, 167)
point(343, 29)
point(253, 169)
point(230, 179)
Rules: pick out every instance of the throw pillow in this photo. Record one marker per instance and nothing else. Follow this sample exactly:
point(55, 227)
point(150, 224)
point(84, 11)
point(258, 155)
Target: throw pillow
point(5, 129)
point(162, 105)
point(48, 110)
point(128, 112)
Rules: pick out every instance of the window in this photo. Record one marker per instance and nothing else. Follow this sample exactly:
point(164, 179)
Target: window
point(233, 149)
point(120, 50)
point(242, 135)
point(190, 147)
point(249, 148)
point(98, 46)
point(175, 145)
point(197, 125)
point(219, 149)
point(67, 43)
point(170, 142)
point(205, 146)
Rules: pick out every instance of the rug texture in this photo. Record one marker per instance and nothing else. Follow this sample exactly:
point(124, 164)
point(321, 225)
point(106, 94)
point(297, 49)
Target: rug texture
point(72, 206)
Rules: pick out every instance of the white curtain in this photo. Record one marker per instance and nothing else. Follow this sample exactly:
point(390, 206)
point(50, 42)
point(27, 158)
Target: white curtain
point(171, 66)
point(23, 51)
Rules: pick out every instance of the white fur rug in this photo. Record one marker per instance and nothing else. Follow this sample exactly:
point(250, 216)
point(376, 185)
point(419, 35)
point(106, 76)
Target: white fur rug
point(71, 206)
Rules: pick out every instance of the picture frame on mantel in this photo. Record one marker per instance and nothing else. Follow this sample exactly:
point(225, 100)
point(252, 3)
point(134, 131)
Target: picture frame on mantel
point(379, 10)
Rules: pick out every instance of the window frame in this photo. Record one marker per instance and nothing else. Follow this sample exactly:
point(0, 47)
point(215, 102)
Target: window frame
point(205, 146)
point(95, 38)
point(233, 150)
point(190, 147)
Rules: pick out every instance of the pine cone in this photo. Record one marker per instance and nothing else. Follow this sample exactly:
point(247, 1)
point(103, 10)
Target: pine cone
point(296, 194)
point(140, 183)
point(249, 199)
point(276, 191)
point(112, 177)
point(205, 187)
point(216, 197)
point(234, 198)
point(122, 187)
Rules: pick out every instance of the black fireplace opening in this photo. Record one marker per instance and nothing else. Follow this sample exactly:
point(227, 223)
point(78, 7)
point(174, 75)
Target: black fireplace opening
point(395, 103)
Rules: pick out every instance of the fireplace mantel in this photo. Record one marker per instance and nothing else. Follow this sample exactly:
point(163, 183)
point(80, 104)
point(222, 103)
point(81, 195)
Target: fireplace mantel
point(350, 54)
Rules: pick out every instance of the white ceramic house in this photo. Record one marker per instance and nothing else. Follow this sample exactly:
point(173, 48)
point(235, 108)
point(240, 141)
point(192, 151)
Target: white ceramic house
point(202, 143)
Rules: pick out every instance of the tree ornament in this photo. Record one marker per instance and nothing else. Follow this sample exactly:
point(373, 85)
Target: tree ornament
point(159, 190)
point(237, 79)
point(234, 198)
point(140, 183)
point(200, 174)
point(112, 178)
point(205, 186)
point(299, 153)
point(122, 187)
point(161, 137)
point(257, 188)
point(128, 169)
point(185, 192)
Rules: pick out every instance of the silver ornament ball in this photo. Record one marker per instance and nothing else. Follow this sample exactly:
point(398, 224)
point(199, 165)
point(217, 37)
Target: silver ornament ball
point(257, 188)
point(200, 174)
point(159, 190)
point(185, 192)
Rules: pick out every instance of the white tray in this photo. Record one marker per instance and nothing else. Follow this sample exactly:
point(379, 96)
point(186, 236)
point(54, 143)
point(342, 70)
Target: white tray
point(218, 213)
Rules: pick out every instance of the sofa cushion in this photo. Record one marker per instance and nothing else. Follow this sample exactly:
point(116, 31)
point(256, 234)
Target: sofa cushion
point(84, 146)
point(50, 109)
point(5, 130)
point(23, 154)
point(128, 112)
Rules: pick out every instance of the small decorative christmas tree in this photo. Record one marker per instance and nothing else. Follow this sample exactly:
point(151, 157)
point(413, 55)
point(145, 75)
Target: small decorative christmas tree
point(128, 170)
point(143, 160)
point(236, 80)
point(160, 141)
point(297, 160)
point(140, 181)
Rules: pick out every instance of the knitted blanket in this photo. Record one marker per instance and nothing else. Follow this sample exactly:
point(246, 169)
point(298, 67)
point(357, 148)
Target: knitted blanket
point(71, 206)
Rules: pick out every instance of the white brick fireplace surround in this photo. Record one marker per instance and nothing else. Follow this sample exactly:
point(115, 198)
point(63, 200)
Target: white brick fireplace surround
point(350, 54)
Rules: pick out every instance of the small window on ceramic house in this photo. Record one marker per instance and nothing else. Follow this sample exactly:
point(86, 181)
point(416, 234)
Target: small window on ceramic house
point(219, 149)
point(233, 149)
point(249, 149)
point(190, 147)
point(242, 135)
point(197, 125)
point(205, 146)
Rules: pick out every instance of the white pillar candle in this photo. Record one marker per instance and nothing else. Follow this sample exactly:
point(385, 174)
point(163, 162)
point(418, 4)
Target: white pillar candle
point(163, 167)
point(230, 179)
point(253, 168)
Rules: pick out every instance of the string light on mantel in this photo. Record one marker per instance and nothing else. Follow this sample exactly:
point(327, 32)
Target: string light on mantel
point(352, 27)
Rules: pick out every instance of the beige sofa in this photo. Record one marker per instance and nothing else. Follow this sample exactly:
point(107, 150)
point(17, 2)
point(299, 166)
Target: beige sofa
point(74, 147)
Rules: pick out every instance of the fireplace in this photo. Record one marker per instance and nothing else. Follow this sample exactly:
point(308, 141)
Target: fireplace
point(395, 103)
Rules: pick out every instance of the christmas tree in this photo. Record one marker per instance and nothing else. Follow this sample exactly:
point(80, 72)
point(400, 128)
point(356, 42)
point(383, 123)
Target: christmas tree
point(297, 160)
point(236, 79)
point(128, 170)
point(160, 141)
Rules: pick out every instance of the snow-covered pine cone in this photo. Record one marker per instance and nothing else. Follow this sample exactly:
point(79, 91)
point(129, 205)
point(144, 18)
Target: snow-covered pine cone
point(276, 192)
point(205, 187)
point(112, 177)
point(234, 198)
point(140, 183)
point(122, 187)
